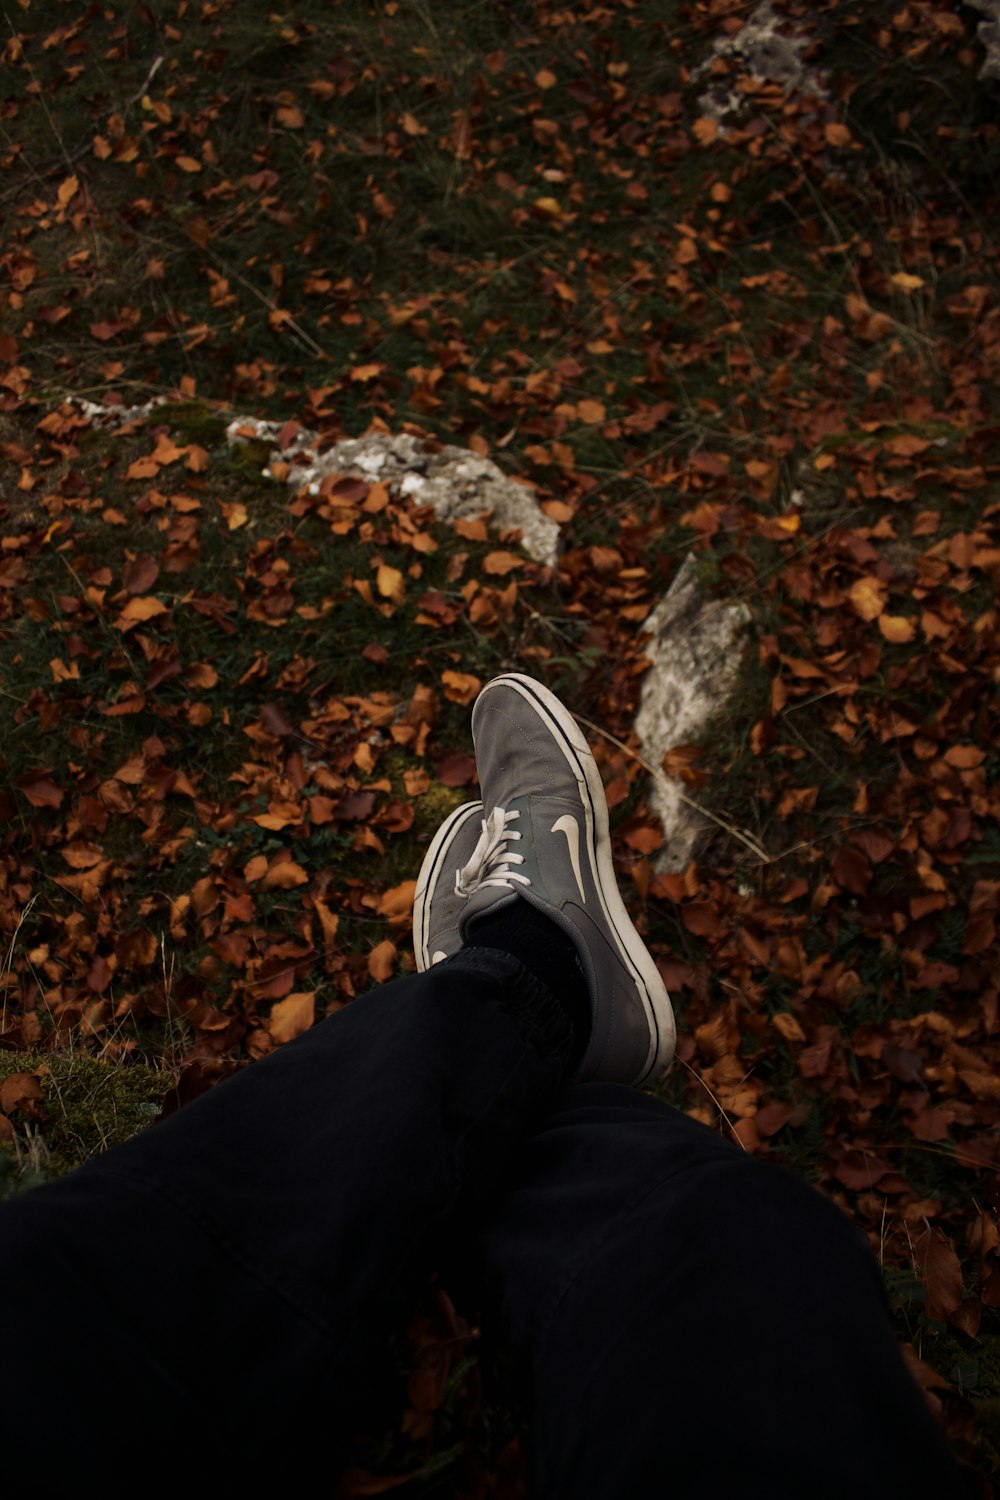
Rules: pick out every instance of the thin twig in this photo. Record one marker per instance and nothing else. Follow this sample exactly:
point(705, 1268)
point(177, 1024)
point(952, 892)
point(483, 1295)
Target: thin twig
point(736, 833)
point(714, 1100)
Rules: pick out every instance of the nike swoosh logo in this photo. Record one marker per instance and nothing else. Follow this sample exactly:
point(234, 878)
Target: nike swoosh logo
point(571, 829)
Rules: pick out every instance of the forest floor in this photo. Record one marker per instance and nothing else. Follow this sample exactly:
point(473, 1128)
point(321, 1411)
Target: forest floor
point(233, 714)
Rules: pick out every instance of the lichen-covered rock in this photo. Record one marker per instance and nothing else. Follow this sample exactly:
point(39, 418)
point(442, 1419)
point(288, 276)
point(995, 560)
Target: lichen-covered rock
point(697, 648)
point(769, 46)
point(452, 481)
point(988, 33)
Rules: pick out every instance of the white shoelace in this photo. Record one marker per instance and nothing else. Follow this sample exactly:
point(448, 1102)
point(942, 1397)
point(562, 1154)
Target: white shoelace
point(491, 860)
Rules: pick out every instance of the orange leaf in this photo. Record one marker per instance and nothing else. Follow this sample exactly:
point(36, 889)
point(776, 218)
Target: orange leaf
point(397, 903)
point(389, 582)
point(545, 79)
point(290, 116)
point(460, 687)
point(644, 840)
point(291, 1016)
point(382, 961)
point(144, 607)
point(364, 373)
point(68, 189)
point(501, 563)
point(201, 675)
point(705, 130)
point(868, 597)
point(908, 445)
point(965, 757)
point(590, 410)
point(897, 628)
point(837, 134)
point(142, 468)
point(283, 875)
point(189, 164)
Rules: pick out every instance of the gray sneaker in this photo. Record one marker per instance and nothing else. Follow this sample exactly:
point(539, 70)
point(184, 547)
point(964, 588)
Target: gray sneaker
point(437, 905)
point(545, 839)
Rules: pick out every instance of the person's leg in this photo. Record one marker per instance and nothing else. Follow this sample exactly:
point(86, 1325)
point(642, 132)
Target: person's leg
point(687, 1321)
point(207, 1291)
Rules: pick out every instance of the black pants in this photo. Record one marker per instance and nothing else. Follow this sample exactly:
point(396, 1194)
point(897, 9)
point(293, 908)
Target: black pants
point(685, 1321)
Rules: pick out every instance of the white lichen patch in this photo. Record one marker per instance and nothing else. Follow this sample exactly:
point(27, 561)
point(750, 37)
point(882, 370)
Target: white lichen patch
point(452, 481)
point(697, 648)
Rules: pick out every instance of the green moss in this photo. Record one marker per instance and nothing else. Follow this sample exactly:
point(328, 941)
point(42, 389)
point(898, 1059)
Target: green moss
point(194, 422)
point(87, 1106)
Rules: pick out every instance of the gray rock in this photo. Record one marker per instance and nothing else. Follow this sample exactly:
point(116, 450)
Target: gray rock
point(988, 33)
point(453, 482)
point(766, 52)
point(697, 650)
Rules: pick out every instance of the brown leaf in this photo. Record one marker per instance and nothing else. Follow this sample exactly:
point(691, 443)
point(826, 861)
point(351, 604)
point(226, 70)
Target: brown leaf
point(455, 768)
point(861, 1170)
point(787, 1026)
point(140, 573)
point(40, 790)
point(382, 961)
point(938, 1267)
point(21, 1091)
point(354, 807)
point(851, 870)
point(291, 1016)
point(276, 721)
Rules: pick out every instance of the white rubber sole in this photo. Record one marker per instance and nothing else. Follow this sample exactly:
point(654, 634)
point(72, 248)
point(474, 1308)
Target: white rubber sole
point(635, 956)
point(436, 866)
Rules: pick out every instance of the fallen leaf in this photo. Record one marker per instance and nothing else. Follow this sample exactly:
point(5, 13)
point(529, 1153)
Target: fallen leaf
point(455, 768)
point(396, 904)
point(23, 1092)
point(389, 582)
point(292, 1016)
point(39, 789)
point(460, 687)
point(138, 610)
point(868, 596)
point(897, 629)
point(939, 1269)
point(501, 563)
point(283, 875)
point(382, 961)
